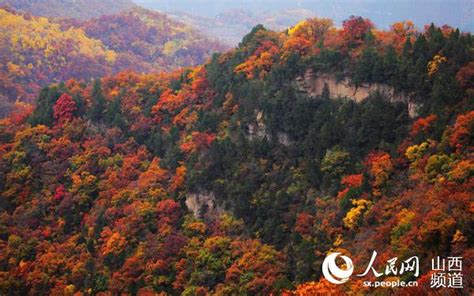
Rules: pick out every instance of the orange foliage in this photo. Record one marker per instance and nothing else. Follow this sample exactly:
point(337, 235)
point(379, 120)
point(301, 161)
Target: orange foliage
point(196, 141)
point(199, 84)
point(177, 181)
point(169, 101)
point(422, 125)
point(59, 193)
point(186, 117)
point(465, 76)
point(380, 167)
point(20, 113)
point(304, 224)
point(351, 181)
point(461, 135)
point(262, 261)
point(261, 61)
point(400, 32)
point(355, 29)
point(305, 36)
point(114, 243)
point(299, 45)
point(312, 29)
point(168, 211)
point(64, 109)
point(321, 288)
point(153, 175)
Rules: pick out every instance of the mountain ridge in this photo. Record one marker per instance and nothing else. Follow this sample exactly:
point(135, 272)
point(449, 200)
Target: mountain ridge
point(80, 9)
point(92, 48)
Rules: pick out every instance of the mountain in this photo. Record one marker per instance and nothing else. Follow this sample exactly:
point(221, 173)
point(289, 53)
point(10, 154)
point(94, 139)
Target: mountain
point(231, 25)
point(36, 51)
point(80, 9)
point(240, 176)
point(151, 40)
point(383, 13)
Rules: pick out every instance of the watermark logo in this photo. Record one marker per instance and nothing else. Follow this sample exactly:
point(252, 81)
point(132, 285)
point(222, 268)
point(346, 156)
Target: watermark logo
point(334, 273)
point(337, 275)
point(446, 272)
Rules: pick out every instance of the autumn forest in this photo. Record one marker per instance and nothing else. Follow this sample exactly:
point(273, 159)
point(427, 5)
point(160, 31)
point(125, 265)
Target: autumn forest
point(139, 156)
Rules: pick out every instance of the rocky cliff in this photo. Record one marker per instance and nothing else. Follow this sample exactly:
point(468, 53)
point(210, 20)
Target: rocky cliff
point(314, 84)
point(203, 204)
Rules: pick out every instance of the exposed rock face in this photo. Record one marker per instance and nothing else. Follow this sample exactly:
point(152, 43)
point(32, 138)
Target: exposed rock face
point(258, 130)
point(284, 139)
point(313, 84)
point(203, 204)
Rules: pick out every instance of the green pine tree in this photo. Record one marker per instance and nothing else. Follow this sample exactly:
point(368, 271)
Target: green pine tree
point(97, 110)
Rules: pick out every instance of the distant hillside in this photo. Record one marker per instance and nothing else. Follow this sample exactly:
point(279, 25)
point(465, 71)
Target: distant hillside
point(383, 13)
point(36, 51)
point(231, 25)
point(148, 40)
point(81, 9)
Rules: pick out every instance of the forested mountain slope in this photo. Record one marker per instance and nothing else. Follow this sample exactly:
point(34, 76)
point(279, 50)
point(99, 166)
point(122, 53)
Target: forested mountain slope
point(79, 9)
point(36, 51)
point(150, 41)
point(95, 180)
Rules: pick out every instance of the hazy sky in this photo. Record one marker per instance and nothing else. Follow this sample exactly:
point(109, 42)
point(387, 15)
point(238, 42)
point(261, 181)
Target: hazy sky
point(457, 13)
